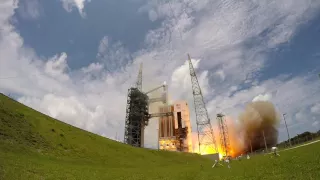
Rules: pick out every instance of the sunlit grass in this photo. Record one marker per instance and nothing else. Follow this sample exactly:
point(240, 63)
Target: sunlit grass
point(34, 146)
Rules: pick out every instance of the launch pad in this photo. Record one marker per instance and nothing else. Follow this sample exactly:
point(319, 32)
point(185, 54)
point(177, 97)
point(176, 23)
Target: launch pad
point(174, 122)
point(137, 115)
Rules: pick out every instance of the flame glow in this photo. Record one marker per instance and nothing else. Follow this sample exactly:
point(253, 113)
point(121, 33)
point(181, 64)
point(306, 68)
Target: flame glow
point(235, 142)
point(258, 117)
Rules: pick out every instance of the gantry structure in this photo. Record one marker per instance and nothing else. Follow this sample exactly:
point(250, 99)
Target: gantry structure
point(137, 111)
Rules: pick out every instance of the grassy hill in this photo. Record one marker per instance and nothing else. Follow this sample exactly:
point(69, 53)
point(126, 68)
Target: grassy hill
point(35, 146)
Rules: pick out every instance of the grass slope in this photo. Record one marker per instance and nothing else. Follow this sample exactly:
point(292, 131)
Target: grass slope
point(35, 146)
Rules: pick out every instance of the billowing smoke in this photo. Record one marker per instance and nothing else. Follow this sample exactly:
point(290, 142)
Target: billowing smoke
point(258, 124)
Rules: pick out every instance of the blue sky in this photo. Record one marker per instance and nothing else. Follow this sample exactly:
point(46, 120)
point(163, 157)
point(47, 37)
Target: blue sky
point(78, 36)
point(74, 60)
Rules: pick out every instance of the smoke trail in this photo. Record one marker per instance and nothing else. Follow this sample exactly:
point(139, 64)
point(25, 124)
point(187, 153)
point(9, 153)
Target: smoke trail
point(259, 117)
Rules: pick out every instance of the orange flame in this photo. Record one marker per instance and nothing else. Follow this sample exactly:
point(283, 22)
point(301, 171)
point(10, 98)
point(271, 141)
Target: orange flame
point(258, 117)
point(236, 146)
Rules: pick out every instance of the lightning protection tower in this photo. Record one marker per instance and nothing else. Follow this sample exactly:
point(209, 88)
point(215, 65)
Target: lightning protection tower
point(224, 136)
point(205, 132)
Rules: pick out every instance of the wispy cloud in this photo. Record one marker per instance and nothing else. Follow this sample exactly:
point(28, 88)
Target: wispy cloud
point(114, 56)
point(68, 5)
point(30, 9)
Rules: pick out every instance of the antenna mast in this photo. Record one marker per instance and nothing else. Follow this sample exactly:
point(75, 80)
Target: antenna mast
point(205, 132)
point(139, 80)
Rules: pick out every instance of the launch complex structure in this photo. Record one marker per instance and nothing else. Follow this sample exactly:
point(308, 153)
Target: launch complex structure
point(174, 120)
point(174, 123)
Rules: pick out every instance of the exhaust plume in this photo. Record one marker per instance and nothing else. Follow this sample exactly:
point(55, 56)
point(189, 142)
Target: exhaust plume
point(259, 120)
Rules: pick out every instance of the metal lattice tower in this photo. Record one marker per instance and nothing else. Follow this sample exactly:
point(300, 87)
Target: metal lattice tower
point(137, 117)
point(224, 136)
point(205, 132)
point(137, 114)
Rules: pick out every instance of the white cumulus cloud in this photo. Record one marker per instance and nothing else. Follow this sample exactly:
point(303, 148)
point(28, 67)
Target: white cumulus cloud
point(94, 97)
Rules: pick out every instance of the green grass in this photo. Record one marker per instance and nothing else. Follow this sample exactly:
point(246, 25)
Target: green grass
point(34, 146)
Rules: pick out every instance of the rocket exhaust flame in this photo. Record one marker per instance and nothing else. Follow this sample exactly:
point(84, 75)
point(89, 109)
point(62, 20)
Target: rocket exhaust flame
point(259, 118)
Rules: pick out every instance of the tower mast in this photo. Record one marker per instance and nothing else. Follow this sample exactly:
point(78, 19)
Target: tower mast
point(205, 132)
point(139, 80)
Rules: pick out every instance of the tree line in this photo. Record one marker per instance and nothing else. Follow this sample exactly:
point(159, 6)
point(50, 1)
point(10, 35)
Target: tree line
point(300, 138)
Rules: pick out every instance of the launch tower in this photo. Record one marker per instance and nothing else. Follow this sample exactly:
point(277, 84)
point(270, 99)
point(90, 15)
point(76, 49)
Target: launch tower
point(137, 111)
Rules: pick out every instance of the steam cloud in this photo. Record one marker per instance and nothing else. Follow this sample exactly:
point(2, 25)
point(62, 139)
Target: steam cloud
point(259, 117)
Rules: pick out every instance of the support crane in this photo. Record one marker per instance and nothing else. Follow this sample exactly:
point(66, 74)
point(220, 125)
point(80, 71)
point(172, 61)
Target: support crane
point(205, 132)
